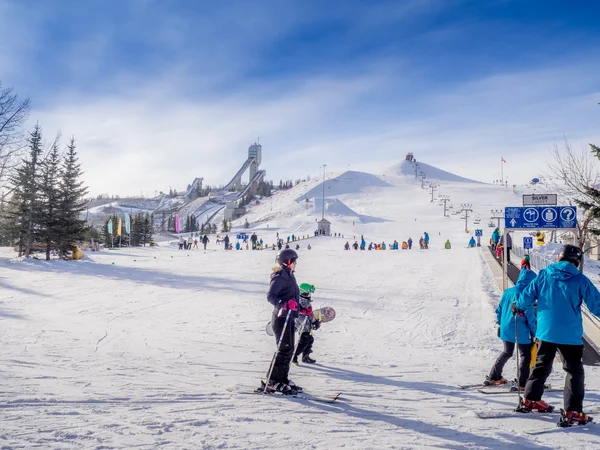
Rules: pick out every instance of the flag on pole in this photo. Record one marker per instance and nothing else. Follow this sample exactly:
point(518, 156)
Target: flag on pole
point(176, 223)
point(503, 160)
point(127, 224)
point(109, 226)
point(119, 227)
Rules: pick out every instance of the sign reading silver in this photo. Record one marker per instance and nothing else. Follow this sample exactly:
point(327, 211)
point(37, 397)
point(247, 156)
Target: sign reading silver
point(539, 199)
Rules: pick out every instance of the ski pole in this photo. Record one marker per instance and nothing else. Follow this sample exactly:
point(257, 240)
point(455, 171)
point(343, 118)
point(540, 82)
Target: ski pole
point(298, 341)
point(287, 319)
point(517, 348)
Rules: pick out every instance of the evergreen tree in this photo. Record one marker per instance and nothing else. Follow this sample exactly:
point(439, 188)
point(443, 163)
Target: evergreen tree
point(225, 226)
point(72, 203)
point(49, 221)
point(26, 194)
point(147, 229)
point(591, 204)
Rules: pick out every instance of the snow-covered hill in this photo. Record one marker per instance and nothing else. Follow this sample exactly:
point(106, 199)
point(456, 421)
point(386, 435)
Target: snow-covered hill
point(407, 168)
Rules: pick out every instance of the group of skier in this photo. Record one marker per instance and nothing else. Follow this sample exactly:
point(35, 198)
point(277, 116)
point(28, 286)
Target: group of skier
point(192, 242)
point(543, 312)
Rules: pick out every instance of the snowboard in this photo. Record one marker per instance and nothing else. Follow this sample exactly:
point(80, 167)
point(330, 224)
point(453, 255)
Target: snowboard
point(324, 315)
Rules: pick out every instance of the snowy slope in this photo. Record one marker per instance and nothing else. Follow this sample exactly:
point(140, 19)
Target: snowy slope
point(148, 347)
point(407, 168)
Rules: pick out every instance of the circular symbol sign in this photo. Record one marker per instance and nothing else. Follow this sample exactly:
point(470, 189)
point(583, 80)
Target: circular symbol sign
point(531, 215)
point(549, 215)
point(567, 214)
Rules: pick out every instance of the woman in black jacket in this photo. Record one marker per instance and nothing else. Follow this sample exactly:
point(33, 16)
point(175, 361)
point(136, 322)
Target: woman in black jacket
point(284, 295)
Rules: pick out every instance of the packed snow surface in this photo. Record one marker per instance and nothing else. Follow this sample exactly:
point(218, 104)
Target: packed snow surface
point(152, 347)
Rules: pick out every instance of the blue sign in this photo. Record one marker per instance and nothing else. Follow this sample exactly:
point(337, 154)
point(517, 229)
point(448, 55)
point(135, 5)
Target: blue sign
point(527, 242)
point(478, 232)
point(540, 217)
point(243, 237)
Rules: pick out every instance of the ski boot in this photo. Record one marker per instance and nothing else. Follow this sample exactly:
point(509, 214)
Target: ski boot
point(489, 382)
point(293, 386)
point(308, 360)
point(282, 388)
point(295, 360)
point(570, 418)
point(526, 406)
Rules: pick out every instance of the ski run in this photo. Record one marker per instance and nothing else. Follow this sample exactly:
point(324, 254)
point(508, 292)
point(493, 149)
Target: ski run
point(154, 347)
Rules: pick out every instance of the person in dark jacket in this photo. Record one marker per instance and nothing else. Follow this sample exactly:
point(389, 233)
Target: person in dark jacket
point(226, 241)
point(560, 290)
point(284, 295)
point(409, 242)
point(506, 332)
point(205, 241)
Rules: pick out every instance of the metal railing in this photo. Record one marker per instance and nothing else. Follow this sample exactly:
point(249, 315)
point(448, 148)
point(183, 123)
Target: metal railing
point(537, 261)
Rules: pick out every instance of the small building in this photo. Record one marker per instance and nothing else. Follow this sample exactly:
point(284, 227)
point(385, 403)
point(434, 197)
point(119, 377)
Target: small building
point(324, 227)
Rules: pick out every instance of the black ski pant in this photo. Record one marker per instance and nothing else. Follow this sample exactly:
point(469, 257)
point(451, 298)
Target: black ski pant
point(572, 356)
point(305, 344)
point(283, 359)
point(524, 360)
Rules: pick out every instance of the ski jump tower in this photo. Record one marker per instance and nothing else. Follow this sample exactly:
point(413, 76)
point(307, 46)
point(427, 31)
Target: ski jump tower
point(252, 164)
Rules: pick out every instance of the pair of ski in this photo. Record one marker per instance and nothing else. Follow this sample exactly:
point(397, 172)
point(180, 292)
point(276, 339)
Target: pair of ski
point(544, 430)
point(322, 398)
point(497, 389)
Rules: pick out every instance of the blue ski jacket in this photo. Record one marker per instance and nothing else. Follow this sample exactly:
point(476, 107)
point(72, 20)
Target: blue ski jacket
point(559, 290)
point(505, 317)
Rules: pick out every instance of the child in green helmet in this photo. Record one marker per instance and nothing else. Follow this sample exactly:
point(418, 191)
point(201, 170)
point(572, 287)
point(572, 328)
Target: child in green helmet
point(526, 264)
point(305, 323)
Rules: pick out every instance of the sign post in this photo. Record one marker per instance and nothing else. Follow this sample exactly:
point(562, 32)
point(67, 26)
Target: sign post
point(537, 218)
point(478, 234)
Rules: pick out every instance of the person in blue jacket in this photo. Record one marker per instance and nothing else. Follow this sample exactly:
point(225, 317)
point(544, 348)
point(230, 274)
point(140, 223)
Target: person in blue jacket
point(426, 240)
point(506, 332)
point(495, 238)
point(560, 289)
point(472, 242)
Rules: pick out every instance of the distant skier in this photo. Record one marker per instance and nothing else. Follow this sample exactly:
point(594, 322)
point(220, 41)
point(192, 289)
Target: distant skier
point(190, 241)
point(279, 244)
point(426, 239)
point(308, 247)
point(506, 332)
point(355, 245)
point(205, 241)
point(297, 246)
point(310, 323)
point(560, 290)
point(495, 238)
point(347, 246)
point(409, 242)
point(363, 243)
point(472, 242)
point(226, 241)
point(181, 242)
point(447, 245)
point(284, 295)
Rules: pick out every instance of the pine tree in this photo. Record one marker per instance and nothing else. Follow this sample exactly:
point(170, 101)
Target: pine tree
point(25, 197)
point(148, 231)
point(49, 221)
point(224, 226)
point(72, 203)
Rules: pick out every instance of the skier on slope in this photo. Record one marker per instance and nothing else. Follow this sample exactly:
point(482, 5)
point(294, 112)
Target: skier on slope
point(426, 239)
point(205, 241)
point(506, 332)
point(284, 295)
point(559, 290)
point(310, 323)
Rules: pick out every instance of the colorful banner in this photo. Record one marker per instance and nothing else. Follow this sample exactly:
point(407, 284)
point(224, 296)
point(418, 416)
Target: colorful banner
point(109, 226)
point(176, 223)
point(119, 227)
point(127, 224)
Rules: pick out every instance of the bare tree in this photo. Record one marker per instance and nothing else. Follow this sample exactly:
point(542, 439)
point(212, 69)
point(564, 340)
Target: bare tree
point(13, 113)
point(571, 174)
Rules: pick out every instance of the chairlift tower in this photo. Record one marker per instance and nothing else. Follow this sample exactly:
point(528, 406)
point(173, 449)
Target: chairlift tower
point(497, 214)
point(445, 198)
point(432, 188)
point(466, 208)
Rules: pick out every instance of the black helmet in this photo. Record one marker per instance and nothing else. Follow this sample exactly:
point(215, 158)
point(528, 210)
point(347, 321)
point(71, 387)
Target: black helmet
point(286, 257)
point(572, 254)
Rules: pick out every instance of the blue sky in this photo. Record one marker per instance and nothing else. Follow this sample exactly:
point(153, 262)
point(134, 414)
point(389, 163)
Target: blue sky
point(159, 92)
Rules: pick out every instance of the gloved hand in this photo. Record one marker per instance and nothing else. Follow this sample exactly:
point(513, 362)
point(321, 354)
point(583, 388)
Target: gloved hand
point(291, 304)
point(515, 310)
point(306, 311)
point(316, 325)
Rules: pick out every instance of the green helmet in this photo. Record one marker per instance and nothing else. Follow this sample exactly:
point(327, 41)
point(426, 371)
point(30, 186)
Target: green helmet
point(306, 289)
point(526, 257)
